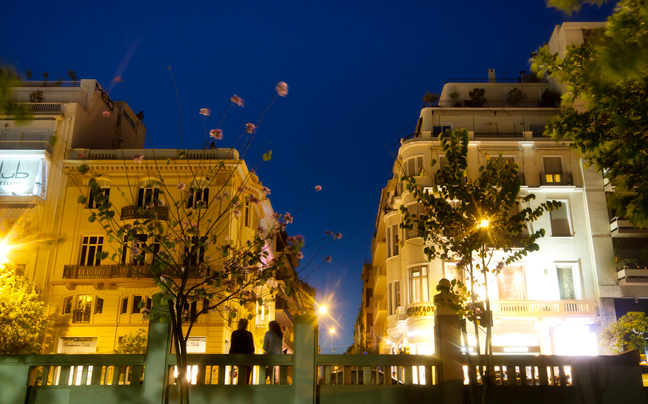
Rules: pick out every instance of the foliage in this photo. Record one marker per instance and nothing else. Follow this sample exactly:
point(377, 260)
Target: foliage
point(133, 343)
point(479, 223)
point(8, 80)
point(573, 5)
point(430, 98)
point(72, 75)
point(629, 332)
point(477, 97)
point(515, 96)
point(36, 96)
point(454, 96)
point(609, 74)
point(23, 314)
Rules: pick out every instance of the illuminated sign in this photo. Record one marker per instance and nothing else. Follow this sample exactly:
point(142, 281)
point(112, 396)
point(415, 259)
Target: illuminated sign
point(420, 310)
point(77, 345)
point(23, 176)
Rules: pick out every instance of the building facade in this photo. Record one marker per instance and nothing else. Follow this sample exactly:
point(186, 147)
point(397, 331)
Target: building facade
point(555, 301)
point(95, 301)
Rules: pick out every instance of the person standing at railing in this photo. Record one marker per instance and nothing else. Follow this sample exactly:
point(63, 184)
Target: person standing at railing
point(272, 344)
point(243, 343)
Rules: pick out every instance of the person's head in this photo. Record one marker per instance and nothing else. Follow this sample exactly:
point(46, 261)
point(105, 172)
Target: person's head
point(242, 324)
point(276, 328)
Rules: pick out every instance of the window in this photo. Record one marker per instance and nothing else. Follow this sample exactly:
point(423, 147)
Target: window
point(247, 214)
point(98, 196)
point(128, 119)
point(390, 301)
point(553, 173)
point(450, 272)
point(196, 251)
point(397, 295)
point(67, 305)
point(148, 196)
point(91, 251)
point(124, 305)
point(413, 166)
point(568, 281)
point(198, 198)
point(437, 130)
point(99, 306)
point(419, 288)
point(142, 251)
point(537, 129)
point(368, 295)
point(560, 221)
point(83, 309)
point(136, 308)
point(392, 240)
point(511, 283)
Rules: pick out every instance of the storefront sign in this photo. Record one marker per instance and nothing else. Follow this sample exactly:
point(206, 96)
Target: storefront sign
point(196, 345)
point(23, 176)
point(420, 310)
point(77, 345)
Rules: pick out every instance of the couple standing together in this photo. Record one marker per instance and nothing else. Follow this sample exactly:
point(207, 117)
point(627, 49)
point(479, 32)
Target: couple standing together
point(243, 342)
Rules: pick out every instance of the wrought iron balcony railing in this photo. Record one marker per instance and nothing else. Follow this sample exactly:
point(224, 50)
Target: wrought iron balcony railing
point(81, 316)
point(136, 212)
point(115, 271)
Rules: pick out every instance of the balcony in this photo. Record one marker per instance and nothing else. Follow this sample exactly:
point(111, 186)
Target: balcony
point(135, 212)
point(636, 275)
point(542, 308)
point(113, 271)
point(620, 227)
point(49, 84)
point(25, 145)
point(549, 179)
point(81, 316)
point(380, 312)
point(380, 281)
point(482, 135)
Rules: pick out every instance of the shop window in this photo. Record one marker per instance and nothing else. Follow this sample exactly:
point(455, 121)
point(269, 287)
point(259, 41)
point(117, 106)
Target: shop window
point(419, 287)
point(560, 221)
point(91, 251)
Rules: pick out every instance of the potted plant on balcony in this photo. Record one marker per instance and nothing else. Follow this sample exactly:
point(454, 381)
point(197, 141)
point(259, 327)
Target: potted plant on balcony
point(454, 96)
point(477, 98)
point(515, 97)
point(430, 98)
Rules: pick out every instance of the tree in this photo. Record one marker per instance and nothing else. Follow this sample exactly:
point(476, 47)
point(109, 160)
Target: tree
point(133, 343)
point(8, 106)
point(191, 229)
point(23, 314)
point(629, 332)
point(603, 111)
point(479, 223)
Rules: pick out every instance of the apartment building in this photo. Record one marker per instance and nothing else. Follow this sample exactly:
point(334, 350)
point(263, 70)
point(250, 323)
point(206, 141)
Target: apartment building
point(96, 301)
point(556, 300)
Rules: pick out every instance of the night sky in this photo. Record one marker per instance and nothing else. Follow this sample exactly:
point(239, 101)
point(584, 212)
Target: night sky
point(356, 69)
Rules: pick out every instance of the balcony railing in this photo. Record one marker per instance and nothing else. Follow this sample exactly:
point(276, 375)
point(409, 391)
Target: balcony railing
point(633, 274)
point(49, 84)
point(529, 78)
point(479, 135)
point(135, 212)
point(113, 271)
point(45, 107)
point(542, 308)
point(25, 145)
point(81, 316)
point(563, 178)
point(620, 225)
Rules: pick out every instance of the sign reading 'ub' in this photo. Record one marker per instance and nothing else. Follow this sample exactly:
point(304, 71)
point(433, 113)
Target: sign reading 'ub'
point(24, 176)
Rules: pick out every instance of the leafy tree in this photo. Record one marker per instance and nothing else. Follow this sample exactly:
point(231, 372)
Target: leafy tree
point(181, 236)
point(608, 75)
point(133, 343)
point(629, 332)
point(8, 106)
point(573, 5)
point(480, 223)
point(23, 314)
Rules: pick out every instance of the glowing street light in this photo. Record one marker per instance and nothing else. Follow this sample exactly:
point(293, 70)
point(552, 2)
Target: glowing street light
point(323, 309)
point(5, 249)
point(484, 223)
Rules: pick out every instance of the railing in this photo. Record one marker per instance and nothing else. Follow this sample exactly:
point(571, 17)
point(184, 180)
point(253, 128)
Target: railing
point(114, 271)
point(493, 104)
point(525, 370)
point(525, 79)
point(154, 154)
point(542, 308)
point(619, 225)
point(562, 178)
point(25, 145)
point(498, 135)
point(136, 212)
point(45, 107)
point(81, 316)
point(49, 84)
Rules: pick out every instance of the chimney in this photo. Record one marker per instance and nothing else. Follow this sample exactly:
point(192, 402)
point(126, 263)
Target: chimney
point(491, 75)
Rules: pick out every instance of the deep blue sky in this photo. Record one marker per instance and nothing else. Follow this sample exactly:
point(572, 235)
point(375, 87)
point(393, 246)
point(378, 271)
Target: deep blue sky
point(356, 69)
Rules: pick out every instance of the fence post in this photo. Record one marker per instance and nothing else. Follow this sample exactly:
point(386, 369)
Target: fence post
point(305, 351)
point(14, 373)
point(447, 333)
point(157, 348)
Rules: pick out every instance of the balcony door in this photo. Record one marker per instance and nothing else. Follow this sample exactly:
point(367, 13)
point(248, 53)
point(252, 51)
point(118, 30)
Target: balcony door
point(553, 170)
point(566, 282)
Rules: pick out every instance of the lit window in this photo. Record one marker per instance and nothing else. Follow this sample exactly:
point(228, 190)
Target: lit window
point(510, 282)
point(419, 288)
point(560, 221)
point(91, 250)
point(553, 173)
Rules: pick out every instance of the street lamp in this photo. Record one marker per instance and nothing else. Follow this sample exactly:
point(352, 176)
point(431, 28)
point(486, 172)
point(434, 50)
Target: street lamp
point(323, 309)
point(484, 223)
